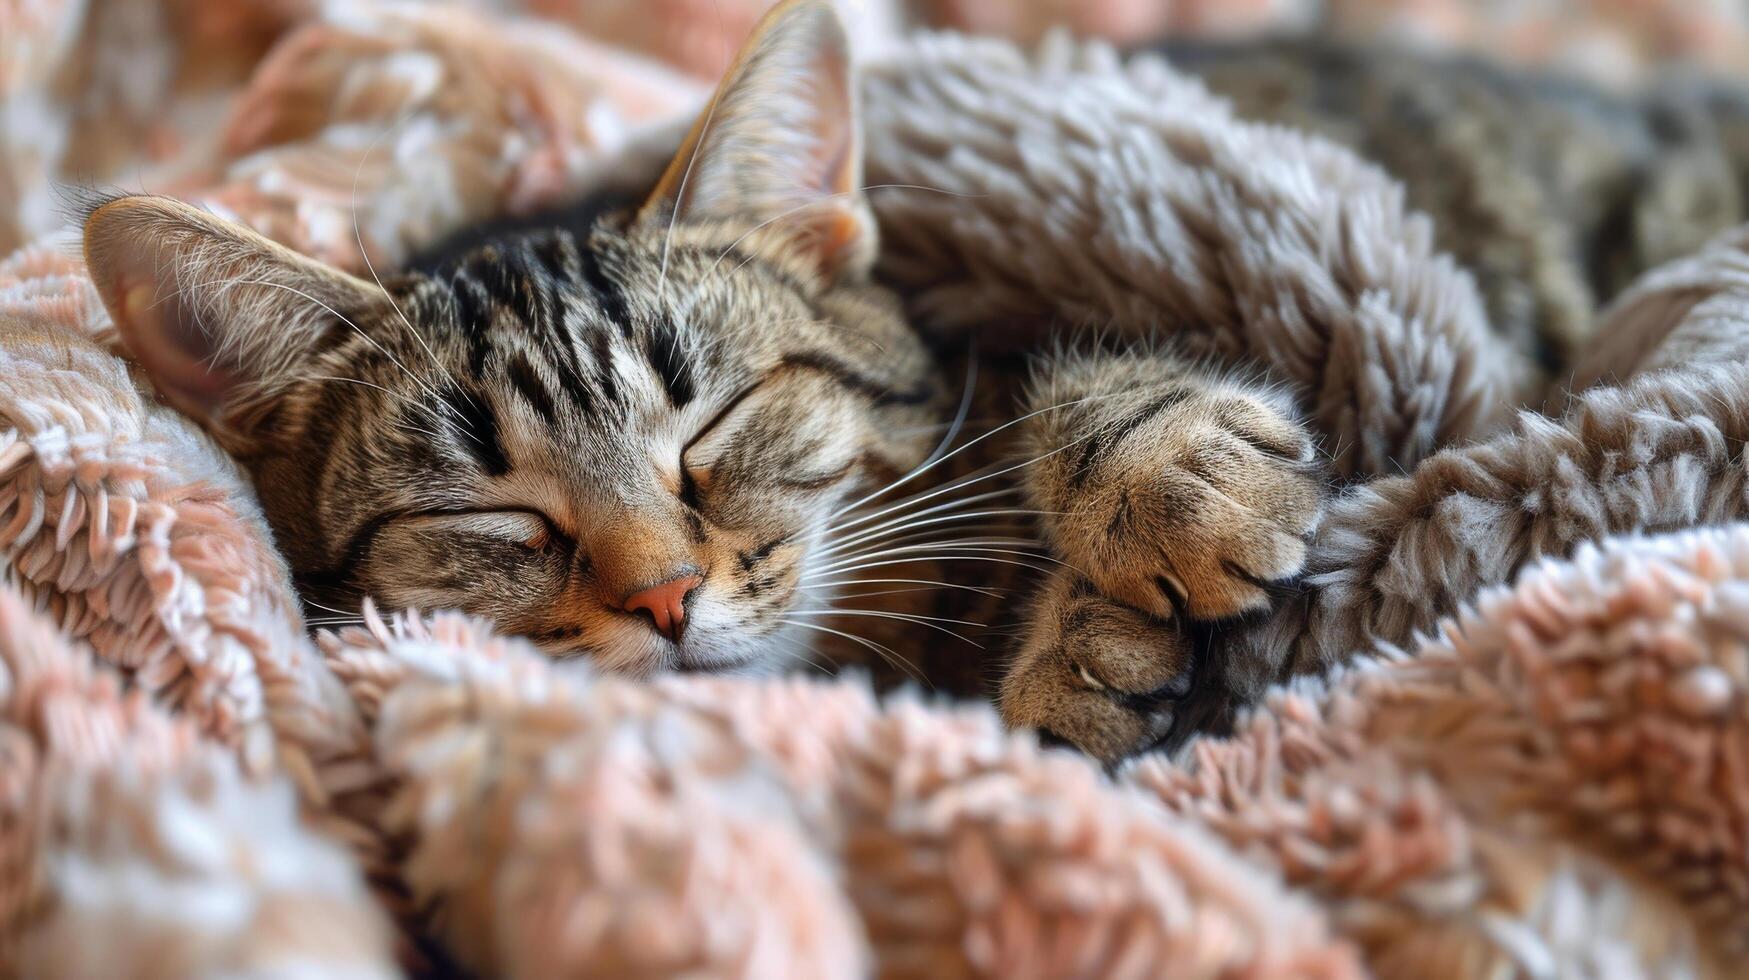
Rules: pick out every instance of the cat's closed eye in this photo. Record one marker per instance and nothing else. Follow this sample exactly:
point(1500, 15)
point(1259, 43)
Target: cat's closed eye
point(695, 463)
point(527, 529)
point(794, 433)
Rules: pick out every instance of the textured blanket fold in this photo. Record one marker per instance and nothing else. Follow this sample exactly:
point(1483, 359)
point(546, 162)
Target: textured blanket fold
point(1549, 781)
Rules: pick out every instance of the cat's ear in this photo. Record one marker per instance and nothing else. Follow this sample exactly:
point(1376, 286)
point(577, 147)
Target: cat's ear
point(779, 143)
point(222, 320)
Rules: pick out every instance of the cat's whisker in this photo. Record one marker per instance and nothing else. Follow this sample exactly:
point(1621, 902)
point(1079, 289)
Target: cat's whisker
point(906, 527)
point(923, 584)
point(881, 549)
point(792, 650)
point(899, 506)
point(911, 509)
point(919, 617)
point(901, 515)
point(940, 538)
point(944, 551)
point(929, 622)
point(978, 478)
point(870, 595)
point(364, 253)
point(960, 484)
point(341, 612)
point(934, 537)
point(886, 653)
point(912, 560)
point(936, 454)
point(968, 391)
point(959, 522)
point(335, 616)
point(427, 433)
point(704, 130)
point(414, 402)
point(463, 428)
point(933, 427)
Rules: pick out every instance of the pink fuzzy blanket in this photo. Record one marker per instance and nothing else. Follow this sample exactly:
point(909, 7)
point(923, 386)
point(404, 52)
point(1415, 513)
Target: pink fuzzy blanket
point(1553, 783)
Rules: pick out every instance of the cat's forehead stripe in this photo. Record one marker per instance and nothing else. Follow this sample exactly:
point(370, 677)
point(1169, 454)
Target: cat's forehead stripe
point(474, 424)
point(672, 365)
point(527, 383)
point(601, 352)
point(606, 292)
point(556, 252)
point(472, 311)
point(510, 312)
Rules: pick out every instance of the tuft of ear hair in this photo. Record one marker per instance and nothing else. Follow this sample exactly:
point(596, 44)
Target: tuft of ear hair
point(222, 320)
point(779, 144)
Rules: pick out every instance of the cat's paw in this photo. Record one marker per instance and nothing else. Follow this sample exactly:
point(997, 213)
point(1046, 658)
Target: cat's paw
point(1096, 674)
point(1192, 496)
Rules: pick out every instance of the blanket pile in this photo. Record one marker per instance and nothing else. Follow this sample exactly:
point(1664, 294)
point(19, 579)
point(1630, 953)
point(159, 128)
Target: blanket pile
point(1611, 42)
point(1552, 779)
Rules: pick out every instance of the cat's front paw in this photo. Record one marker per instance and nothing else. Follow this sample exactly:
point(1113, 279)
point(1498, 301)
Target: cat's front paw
point(1098, 675)
point(1191, 496)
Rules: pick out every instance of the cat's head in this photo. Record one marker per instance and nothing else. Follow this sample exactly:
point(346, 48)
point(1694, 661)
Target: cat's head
point(631, 444)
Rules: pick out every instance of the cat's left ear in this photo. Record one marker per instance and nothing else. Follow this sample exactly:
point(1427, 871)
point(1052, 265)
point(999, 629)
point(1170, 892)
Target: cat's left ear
point(226, 323)
point(779, 144)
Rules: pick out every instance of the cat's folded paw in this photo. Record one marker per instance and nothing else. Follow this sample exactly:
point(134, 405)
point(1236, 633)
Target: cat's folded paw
point(1191, 497)
point(1096, 674)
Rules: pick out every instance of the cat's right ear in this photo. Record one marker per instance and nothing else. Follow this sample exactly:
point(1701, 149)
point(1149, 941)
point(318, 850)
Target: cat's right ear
point(223, 321)
point(779, 145)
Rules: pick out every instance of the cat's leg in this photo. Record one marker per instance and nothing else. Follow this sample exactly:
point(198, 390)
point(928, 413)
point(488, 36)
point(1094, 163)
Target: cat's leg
point(1172, 496)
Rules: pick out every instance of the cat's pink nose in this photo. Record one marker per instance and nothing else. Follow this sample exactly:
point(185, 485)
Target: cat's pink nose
point(665, 603)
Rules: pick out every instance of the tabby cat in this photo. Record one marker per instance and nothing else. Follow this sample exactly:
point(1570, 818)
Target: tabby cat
point(696, 433)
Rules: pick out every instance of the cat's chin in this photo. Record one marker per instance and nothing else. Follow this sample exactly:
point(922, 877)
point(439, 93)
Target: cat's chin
point(644, 655)
point(708, 661)
point(741, 650)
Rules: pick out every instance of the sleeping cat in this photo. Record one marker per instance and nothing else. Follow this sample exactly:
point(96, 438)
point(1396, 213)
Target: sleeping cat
point(696, 433)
